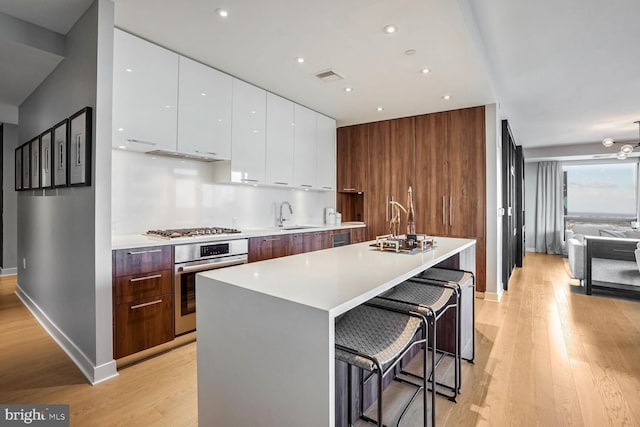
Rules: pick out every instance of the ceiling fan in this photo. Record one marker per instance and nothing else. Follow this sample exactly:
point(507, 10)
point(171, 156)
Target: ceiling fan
point(626, 149)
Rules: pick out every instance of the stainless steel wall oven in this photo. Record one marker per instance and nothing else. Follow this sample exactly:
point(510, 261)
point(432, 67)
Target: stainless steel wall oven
point(193, 258)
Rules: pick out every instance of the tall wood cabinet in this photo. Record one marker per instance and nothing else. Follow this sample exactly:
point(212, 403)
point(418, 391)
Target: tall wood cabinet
point(451, 175)
point(391, 171)
point(441, 155)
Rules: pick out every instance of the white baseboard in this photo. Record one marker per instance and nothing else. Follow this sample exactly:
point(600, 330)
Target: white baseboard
point(95, 374)
point(530, 249)
point(493, 297)
point(8, 271)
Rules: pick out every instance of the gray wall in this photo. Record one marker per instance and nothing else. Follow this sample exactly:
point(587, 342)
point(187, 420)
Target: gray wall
point(9, 200)
point(64, 234)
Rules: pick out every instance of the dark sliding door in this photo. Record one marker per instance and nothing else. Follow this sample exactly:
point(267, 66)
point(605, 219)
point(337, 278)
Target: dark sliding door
point(513, 202)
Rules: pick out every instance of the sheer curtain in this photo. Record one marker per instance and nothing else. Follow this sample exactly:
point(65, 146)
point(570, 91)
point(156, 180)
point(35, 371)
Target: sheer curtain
point(549, 209)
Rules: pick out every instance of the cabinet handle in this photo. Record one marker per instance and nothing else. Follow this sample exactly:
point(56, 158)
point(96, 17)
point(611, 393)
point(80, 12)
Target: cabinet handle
point(348, 189)
point(450, 210)
point(444, 217)
point(146, 304)
point(248, 180)
point(271, 240)
point(150, 251)
point(207, 152)
point(139, 141)
point(281, 183)
point(139, 279)
point(306, 185)
point(327, 188)
point(386, 204)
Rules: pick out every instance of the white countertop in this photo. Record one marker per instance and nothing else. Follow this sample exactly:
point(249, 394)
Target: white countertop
point(337, 279)
point(130, 241)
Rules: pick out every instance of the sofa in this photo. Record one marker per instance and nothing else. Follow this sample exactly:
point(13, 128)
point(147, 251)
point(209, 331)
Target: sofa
point(575, 244)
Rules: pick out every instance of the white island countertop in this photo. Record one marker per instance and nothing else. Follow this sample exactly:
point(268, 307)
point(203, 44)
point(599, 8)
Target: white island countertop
point(266, 330)
point(336, 280)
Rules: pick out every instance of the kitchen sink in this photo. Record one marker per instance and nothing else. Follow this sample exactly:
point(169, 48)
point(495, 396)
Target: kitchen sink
point(298, 227)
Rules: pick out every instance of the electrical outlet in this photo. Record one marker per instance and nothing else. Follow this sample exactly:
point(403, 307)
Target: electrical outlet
point(24, 263)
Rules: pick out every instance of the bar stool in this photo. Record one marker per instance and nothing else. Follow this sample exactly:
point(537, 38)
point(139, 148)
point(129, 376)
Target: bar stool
point(456, 279)
point(375, 340)
point(431, 302)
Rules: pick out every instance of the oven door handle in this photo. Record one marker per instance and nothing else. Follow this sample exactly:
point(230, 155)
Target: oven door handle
point(210, 266)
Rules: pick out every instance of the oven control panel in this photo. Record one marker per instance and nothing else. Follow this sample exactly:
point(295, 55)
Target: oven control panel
point(214, 249)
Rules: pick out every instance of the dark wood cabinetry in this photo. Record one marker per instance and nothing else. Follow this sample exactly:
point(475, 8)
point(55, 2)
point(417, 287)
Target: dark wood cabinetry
point(442, 156)
point(391, 170)
point(142, 299)
point(275, 246)
point(352, 147)
point(262, 248)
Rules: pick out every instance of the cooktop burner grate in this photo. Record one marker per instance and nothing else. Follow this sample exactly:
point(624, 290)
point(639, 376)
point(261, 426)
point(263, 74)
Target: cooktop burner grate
point(191, 232)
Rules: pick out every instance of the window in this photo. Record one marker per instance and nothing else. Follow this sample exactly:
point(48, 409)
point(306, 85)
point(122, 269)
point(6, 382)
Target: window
point(600, 194)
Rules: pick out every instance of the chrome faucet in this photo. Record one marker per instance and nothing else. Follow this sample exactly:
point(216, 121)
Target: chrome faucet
point(280, 220)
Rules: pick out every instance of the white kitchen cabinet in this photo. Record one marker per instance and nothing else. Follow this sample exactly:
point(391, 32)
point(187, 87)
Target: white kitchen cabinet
point(204, 111)
point(280, 134)
point(305, 147)
point(145, 94)
point(248, 136)
point(326, 153)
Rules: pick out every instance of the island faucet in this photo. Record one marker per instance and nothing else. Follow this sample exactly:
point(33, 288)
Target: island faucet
point(280, 220)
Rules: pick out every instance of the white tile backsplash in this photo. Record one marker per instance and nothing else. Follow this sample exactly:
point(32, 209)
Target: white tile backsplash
point(151, 192)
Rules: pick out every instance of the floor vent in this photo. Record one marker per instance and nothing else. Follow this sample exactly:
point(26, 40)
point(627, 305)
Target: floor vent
point(328, 76)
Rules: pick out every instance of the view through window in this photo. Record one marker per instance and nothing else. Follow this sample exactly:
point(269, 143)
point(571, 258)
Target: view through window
point(600, 194)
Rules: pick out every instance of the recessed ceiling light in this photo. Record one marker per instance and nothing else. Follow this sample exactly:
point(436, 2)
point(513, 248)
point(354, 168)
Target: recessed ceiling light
point(204, 94)
point(621, 155)
point(425, 70)
point(120, 129)
point(122, 147)
point(348, 89)
point(129, 70)
point(379, 108)
point(607, 142)
point(410, 52)
point(446, 97)
point(627, 148)
point(223, 13)
point(167, 106)
point(390, 28)
point(299, 60)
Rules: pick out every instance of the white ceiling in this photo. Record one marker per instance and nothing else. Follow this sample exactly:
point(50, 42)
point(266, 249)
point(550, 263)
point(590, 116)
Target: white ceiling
point(260, 41)
point(566, 71)
point(54, 15)
point(563, 72)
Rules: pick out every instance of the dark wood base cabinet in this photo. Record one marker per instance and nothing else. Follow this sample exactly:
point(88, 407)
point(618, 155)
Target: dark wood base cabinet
point(142, 299)
point(268, 247)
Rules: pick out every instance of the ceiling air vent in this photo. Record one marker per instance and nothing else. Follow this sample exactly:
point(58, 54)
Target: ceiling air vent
point(328, 76)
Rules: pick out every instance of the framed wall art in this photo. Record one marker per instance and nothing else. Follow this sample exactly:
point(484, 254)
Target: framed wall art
point(18, 169)
point(26, 171)
point(80, 148)
point(60, 139)
point(35, 162)
point(46, 159)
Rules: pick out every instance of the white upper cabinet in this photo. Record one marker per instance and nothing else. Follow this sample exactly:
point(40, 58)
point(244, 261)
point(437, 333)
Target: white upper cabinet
point(305, 147)
point(326, 157)
point(280, 134)
point(204, 111)
point(145, 94)
point(248, 136)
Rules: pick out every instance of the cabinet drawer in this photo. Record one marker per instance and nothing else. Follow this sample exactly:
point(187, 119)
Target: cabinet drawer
point(143, 260)
point(140, 286)
point(142, 324)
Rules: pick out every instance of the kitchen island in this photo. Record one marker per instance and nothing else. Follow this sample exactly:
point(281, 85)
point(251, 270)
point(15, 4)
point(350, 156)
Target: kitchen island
point(266, 329)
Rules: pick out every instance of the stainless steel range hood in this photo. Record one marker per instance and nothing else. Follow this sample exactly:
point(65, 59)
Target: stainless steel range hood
point(177, 155)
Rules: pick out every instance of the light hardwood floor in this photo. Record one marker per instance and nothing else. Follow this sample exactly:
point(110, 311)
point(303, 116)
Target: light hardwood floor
point(547, 355)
